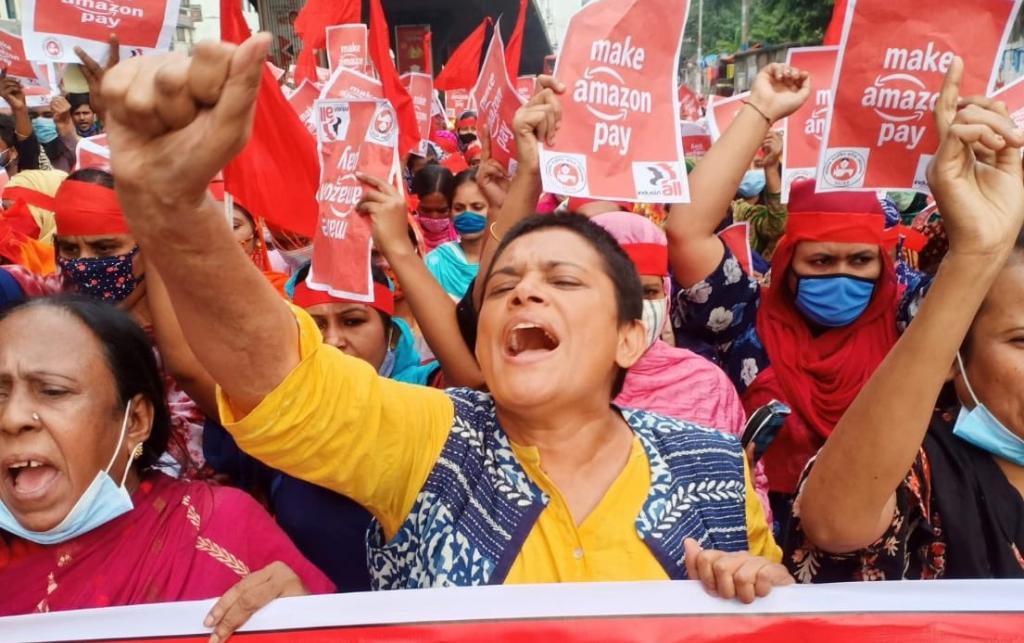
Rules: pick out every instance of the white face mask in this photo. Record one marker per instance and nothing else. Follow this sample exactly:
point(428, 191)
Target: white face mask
point(655, 315)
point(298, 257)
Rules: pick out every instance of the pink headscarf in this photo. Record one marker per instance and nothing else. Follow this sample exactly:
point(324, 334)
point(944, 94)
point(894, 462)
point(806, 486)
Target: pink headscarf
point(672, 381)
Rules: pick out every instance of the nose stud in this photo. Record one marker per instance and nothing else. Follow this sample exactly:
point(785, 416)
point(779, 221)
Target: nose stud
point(35, 417)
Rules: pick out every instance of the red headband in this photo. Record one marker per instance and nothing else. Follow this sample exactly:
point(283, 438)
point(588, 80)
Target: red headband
point(31, 197)
point(649, 258)
point(469, 121)
point(840, 227)
point(383, 298)
point(85, 209)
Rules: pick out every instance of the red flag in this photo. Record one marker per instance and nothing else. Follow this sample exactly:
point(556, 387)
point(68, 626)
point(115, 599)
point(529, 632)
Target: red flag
point(463, 66)
point(394, 90)
point(834, 33)
point(311, 27)
point(278, 172)
point(514, 48)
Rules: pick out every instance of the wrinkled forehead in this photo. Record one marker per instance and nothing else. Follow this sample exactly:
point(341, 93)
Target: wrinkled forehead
point(547, 249)
point(832, 248)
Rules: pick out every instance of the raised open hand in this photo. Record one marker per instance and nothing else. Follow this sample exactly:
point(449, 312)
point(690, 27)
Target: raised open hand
point(779, 90)
point(173, 122)
point(980, 195)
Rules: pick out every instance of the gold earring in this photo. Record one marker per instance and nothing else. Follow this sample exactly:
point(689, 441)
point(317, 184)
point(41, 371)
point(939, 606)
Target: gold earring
point(137, 453)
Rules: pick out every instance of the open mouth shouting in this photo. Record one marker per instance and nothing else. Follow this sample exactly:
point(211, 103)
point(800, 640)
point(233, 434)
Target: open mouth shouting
point(529, 341)
point(27, 478)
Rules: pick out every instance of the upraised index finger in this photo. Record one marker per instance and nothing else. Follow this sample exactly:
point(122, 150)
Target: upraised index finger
point(949, 97)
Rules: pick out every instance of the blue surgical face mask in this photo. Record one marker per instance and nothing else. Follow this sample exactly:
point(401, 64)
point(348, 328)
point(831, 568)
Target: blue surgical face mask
point(753, 184)
point(833, 301)
point(45, 129)
point(101, 502)
point(979, 427)
point(469, 222)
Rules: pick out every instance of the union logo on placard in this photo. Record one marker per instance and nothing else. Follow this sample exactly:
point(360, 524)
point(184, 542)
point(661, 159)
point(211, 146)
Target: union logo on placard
point(846, 168)
point(332, 120)
point(655, 180)
point(382, 129)
point(569, 171)
point(53, 48)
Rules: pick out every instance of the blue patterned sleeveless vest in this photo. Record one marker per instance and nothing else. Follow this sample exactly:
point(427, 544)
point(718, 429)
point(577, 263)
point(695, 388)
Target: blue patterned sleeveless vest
point(478, 505)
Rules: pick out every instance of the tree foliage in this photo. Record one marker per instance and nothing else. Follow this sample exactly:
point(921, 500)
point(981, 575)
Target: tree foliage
point(771, 22)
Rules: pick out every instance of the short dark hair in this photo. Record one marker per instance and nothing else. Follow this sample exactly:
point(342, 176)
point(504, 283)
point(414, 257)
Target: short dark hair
point(78, 99)
point(129, 356)
point(7, 130)
point(462, 178)
point(629, 293)
point(434, 178)
point(93, 175)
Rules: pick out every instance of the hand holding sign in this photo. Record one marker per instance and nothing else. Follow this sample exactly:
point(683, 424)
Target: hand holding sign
point(779, 90)
point(159, 107)
point(982, 204)
point(491, 177)
point(538, 120)
point(389, 212)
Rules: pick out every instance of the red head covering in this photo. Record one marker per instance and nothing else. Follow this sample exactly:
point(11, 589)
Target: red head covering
point(465, 121)
point(383, 298)
point(85, 209)
point(819, 375)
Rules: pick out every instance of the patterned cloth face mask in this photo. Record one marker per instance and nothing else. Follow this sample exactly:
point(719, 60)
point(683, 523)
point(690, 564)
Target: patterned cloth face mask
point(110, 279)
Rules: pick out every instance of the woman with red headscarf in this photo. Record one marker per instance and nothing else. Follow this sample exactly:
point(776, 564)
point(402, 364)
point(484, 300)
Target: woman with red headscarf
point(814, 336)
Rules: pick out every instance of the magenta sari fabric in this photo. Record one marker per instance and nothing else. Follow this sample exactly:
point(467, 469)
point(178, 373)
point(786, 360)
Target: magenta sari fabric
point(182, 541)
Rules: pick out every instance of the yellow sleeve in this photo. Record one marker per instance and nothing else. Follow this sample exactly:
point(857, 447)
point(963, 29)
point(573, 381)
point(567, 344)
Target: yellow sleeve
point(759, 534)
point(334, 422)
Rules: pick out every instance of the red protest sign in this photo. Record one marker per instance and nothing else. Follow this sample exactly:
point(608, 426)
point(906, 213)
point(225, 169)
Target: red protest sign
point(93, 152)
point(413, 48)
point(353, 136)
point(15, 63)
point(806, 126)
point(347, 46)
point(620, 113)
point(301, 100)
point(349, 84)
point(1013, 96)
point(497, 101)
point(421, 90)
point(689, 105)
point(458, 101)
point(696, 140)
point(52, 29)
point(722, 112)
point(892, 61)
point(526, 85)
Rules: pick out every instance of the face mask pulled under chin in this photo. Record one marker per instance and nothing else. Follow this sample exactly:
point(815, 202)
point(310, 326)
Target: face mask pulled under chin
point(979, 427)
point(101, 502)
point(654, 317)
point(298, 257)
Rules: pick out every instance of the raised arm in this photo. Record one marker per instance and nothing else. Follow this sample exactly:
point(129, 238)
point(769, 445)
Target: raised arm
point(433, 308)
point(244, 335)
point(694, 249)
point(848, 500)
point(537, 120)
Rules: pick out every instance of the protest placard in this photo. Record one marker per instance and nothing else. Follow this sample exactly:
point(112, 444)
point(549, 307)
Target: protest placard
point(421, 89)
point(17, 65)
point(349, 84)
point(722, 112)
point(806, 126)
point(51, 29)
point(347, 47)
point(1013, 96)
point(93, 153)
point(301, 99)
point(880, 133)
point(689, 105)
point(456, 102)
point(497, 100)
point(525, 86)
point(620, 111)
point(352, 136)
point(696, 140)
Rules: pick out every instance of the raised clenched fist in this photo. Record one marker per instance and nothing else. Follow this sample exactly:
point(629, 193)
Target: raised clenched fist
point(173, 122)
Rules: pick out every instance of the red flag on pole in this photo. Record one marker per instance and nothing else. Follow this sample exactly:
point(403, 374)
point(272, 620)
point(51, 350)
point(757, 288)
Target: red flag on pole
point(311, 27)
point(278, 172)
point(514, 48)
point(834, 33)
point(463, 66)
point(394, 90)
